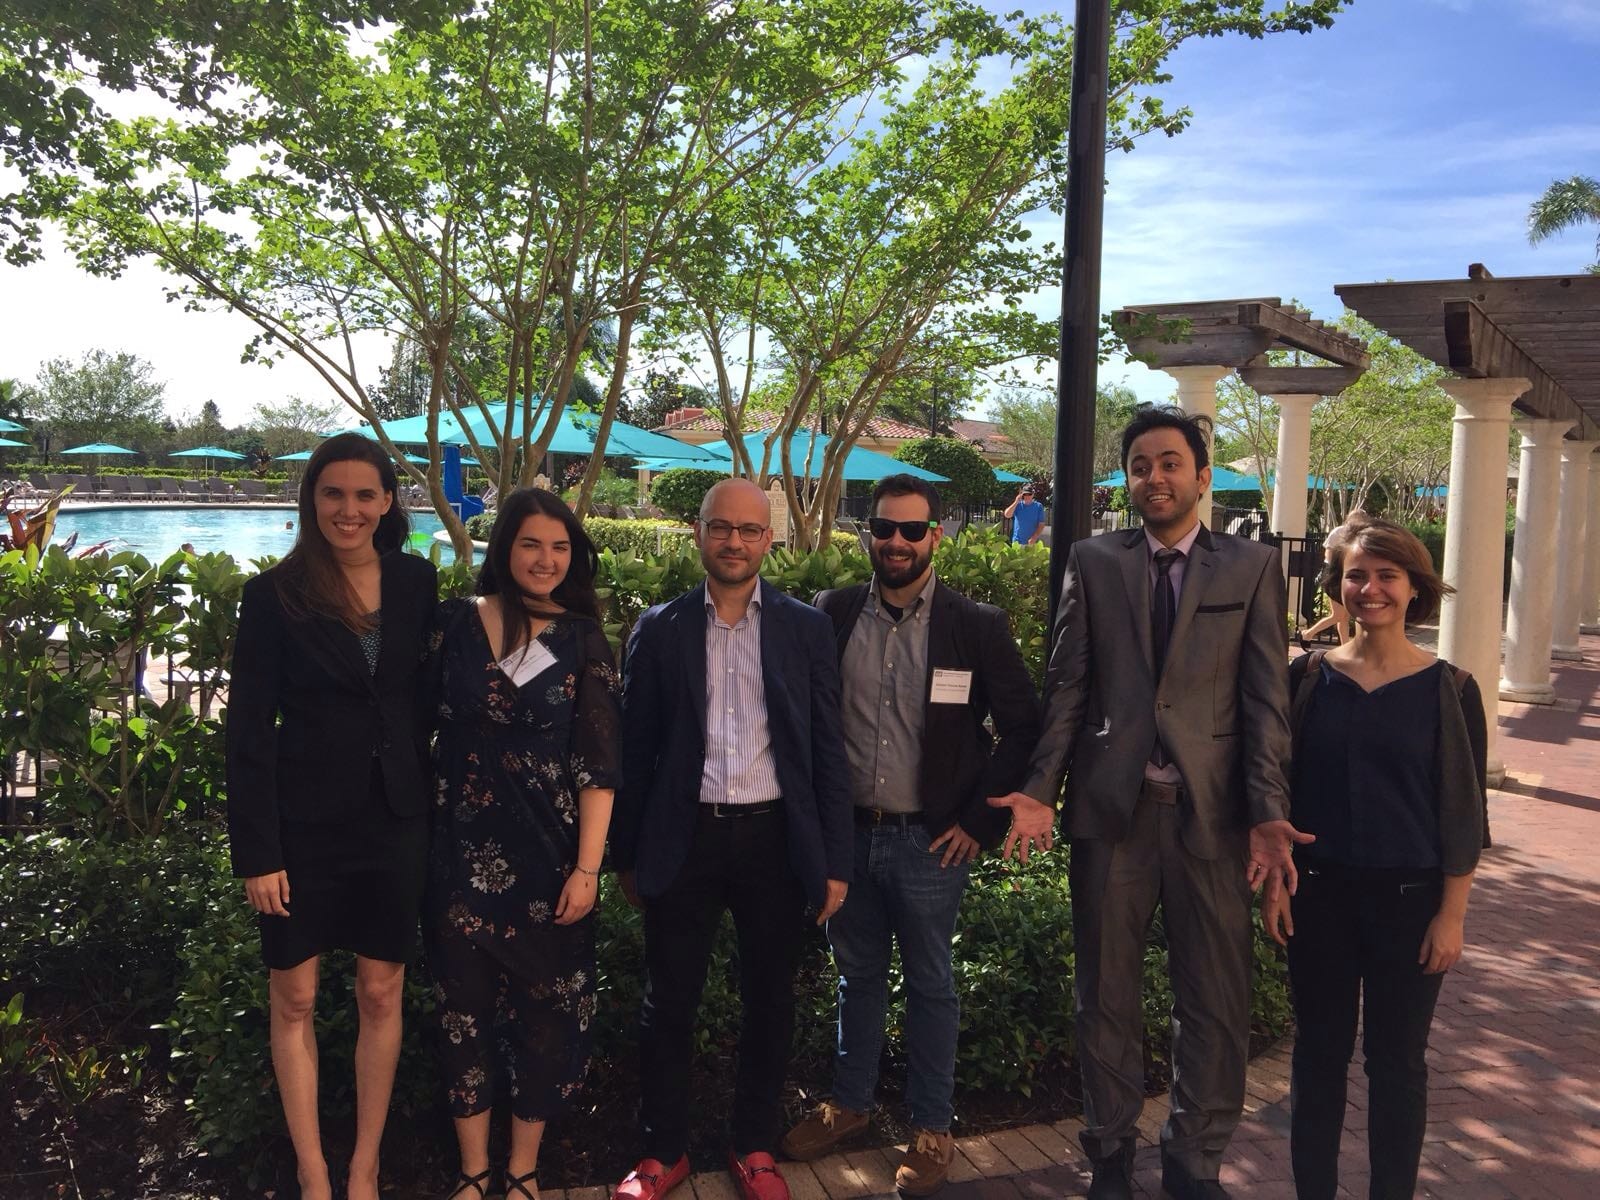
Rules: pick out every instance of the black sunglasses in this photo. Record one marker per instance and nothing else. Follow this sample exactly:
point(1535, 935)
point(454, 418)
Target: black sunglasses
point(913, 531)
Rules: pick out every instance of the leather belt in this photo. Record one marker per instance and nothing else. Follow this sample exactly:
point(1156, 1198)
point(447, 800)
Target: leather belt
point(739, 810)
point(877, 816)
point(1161, 793)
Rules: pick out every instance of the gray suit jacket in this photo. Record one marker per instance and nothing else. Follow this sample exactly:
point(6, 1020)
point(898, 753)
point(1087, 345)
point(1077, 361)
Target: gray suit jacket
point(1221, 707)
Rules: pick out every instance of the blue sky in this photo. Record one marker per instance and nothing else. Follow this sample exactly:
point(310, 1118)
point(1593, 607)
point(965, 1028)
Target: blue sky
point(1404, 143)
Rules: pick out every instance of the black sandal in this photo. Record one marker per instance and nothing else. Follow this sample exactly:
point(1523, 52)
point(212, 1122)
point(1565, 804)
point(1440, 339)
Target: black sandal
point(519, 1183)
point(479, 1183)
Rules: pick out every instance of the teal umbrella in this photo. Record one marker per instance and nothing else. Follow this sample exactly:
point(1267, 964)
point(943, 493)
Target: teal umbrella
point(805, 457)
point(207, 453)
point(1222, 480)
point(575, 435)
point(1010, 476)
point(297, 456)
point(11, 427)
point(13, 444)
point(99, 448)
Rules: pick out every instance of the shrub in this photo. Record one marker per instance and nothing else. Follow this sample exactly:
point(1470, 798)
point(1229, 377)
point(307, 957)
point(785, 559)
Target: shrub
point(971, 477)
point(640, 537)
point(679, 491)
point(480, 525)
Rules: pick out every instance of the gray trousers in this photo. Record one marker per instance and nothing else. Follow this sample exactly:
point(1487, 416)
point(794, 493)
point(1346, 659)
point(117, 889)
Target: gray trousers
point(1205, 908)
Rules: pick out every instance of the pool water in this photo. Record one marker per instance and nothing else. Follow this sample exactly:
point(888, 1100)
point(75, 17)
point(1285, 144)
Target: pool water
point(245, 533)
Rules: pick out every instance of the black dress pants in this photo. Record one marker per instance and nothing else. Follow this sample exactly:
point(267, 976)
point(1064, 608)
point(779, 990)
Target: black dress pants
point(1357, 933)
point(738, 864)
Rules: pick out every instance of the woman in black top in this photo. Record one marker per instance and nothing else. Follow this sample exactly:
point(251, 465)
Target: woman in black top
point(526, 762)
point(1388, 774)
point(327, 762)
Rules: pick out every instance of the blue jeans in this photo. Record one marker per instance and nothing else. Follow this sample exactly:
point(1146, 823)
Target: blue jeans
point(898, 893)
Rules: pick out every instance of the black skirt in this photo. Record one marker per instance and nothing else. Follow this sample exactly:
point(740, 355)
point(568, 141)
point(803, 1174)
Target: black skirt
point(354, 884)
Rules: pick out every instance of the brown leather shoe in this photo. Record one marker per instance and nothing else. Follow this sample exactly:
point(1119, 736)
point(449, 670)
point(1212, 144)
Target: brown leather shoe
point(927, 1163)
point(823, 1130)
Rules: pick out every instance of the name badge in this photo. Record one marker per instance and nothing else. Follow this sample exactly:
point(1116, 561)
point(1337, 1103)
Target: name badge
point(951, 687)
point(526, 662)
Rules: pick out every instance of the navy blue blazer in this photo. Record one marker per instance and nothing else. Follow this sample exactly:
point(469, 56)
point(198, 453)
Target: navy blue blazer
point(664, 740)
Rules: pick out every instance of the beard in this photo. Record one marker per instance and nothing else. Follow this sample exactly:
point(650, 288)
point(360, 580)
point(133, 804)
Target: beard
point(733, 568)
point(896, 573)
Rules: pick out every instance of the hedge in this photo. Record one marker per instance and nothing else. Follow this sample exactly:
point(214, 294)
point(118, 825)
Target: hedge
point(136, 909)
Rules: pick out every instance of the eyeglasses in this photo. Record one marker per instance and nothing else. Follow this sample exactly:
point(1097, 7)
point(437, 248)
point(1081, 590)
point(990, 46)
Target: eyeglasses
point(913, 531)
point(721, 531)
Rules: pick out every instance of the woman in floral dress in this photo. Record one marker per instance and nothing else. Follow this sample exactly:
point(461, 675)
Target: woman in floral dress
point(525, 764)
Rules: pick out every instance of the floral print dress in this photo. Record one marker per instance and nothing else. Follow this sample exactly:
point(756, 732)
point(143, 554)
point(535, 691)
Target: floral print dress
point(515, 990)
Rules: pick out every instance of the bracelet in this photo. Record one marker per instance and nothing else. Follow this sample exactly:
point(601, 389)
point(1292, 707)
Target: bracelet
point(586, 871)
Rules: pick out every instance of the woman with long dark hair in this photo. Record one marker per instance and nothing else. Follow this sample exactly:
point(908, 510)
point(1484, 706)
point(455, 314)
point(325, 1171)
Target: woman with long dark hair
point(525, 762)
point(327, 758)
point(1390, 746)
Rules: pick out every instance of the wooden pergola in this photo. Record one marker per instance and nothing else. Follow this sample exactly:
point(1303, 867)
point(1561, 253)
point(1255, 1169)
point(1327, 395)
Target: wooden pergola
point(1197, 343)
point(1238, 334)
point(1542, 328)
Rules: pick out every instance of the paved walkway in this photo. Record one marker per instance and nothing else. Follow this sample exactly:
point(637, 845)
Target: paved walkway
point(1514, 1107)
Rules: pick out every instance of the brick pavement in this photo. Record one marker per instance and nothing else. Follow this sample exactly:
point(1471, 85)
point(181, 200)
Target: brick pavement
point(1514, 1103)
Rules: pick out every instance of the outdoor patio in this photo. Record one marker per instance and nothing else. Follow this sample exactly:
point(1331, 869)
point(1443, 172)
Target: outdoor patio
point(1514, 1098)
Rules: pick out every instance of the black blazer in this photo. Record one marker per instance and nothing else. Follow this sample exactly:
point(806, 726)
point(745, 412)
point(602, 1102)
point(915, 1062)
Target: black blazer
point(305, 720)
point(664, 740)
point(963, 764)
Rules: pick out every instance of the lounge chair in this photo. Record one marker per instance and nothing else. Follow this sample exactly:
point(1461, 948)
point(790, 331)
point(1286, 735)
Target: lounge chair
point(191, 489)
point(251, 489)
point(138, 487)
point(219, 489)
point(116, 486)
point(169, 487)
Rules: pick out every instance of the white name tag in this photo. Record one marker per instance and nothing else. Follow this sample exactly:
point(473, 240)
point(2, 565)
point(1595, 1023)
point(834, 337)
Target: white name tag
point(951, 687)
point(526, 662)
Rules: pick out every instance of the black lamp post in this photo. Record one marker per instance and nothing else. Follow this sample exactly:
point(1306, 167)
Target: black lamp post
point(1080, 287)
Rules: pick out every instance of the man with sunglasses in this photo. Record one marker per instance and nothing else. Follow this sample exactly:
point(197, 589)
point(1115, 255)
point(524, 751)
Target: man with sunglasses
point(922, 667)
point(734, 797)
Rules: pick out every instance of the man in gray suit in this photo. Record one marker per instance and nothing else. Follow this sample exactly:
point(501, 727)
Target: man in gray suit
point(1167, 698)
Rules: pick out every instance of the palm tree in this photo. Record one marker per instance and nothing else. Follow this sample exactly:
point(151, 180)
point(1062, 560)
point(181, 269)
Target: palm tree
point(1566, 204)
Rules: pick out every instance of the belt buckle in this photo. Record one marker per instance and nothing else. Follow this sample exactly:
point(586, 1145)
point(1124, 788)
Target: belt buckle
point(1162, 792)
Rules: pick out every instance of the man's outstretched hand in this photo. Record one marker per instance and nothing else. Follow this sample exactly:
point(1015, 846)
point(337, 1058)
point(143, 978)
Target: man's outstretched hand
point(1032, 824)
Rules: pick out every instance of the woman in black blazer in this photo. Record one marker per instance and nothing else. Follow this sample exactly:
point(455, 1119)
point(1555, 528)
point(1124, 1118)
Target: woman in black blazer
point(327, 732)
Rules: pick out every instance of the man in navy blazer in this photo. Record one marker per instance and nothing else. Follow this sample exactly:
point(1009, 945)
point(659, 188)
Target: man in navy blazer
point(735, 797)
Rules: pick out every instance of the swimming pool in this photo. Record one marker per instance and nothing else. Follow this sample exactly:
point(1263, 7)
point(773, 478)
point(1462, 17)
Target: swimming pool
point(155, 532)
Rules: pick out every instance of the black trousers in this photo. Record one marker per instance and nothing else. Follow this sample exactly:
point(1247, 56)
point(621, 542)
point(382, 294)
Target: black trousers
point(1357, 933)
point(738, 865)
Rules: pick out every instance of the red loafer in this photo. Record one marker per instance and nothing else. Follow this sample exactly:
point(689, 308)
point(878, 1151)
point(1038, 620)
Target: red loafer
point(757, 1177)
point(652, 1178)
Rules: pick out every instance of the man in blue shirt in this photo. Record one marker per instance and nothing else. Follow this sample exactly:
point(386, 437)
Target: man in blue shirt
point(1027, 518)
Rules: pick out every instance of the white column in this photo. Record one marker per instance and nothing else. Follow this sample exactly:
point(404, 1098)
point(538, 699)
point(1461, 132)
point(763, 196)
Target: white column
point(1531, 619)
point(1572, 528)
point(1591, 554)
point(1474, 544)
point(1197, 396)
point(1294, 464)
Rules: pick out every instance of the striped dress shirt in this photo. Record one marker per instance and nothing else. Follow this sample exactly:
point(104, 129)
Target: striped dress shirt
point(740, 768)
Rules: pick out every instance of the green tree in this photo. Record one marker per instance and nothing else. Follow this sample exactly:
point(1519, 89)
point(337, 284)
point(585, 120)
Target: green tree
point(971, 477)
point(1386, 435)
point(863, 271)
point(1566, 204)
point(663, 392)
point(1027, 416)
point(100, 397)
point(292, 425)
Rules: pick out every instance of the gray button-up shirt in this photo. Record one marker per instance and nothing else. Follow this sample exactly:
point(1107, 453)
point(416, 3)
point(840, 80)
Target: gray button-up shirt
point(739, 765)
point(885, 679)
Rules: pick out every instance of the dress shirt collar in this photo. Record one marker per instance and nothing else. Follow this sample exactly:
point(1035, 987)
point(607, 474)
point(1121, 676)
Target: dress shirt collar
point(920, 604)
point(753, 607)
point(1183, 545)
